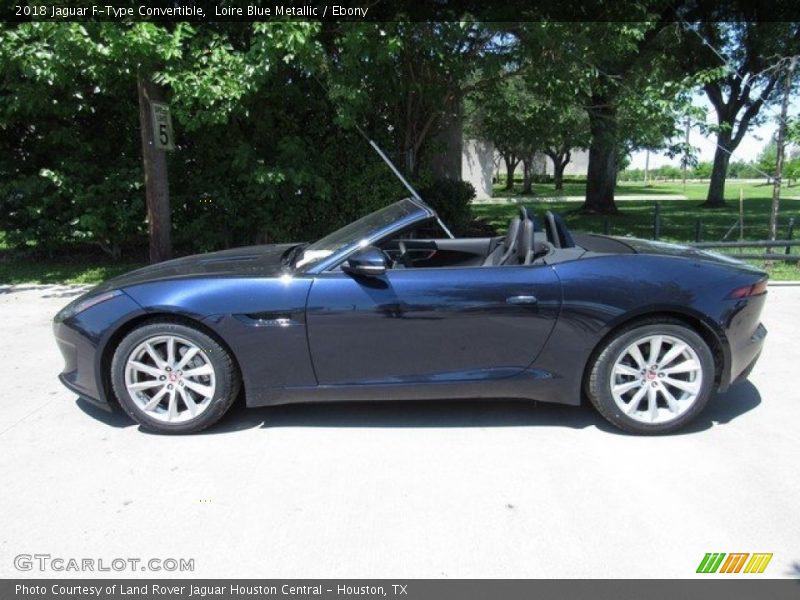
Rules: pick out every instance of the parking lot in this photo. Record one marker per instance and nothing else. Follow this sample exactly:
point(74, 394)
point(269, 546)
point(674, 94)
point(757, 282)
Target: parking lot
point(444, 489)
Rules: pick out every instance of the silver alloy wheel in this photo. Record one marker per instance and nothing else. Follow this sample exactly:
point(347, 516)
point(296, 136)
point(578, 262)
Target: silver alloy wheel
point(656, 379)
point(170, 378)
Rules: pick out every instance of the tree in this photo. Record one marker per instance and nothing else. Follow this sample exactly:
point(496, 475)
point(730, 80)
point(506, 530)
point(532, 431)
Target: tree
point(780, 142)
point(767, 159)
point(703, 170)
point(735, 61)
point(522, 122)
point(407, 81)
point(565, 130)
point(623, 78)
point(72, 151)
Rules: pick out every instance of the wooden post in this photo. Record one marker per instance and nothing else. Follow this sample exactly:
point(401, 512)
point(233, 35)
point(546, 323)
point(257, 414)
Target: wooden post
point(698, 230)
point(657, 222)
point(741, 214)
point(155, 175)
point(789, 234)
point(686, 154)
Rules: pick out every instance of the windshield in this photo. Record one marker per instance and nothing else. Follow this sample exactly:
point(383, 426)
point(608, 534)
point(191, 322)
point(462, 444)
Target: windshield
point(359, 233)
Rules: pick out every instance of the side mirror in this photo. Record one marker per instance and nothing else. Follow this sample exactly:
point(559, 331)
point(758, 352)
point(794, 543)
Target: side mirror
point(367, 262)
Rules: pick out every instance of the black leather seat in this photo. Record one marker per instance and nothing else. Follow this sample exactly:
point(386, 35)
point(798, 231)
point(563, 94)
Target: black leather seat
point(501, 254)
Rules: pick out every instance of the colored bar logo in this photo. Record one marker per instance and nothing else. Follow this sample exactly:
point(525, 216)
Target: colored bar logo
point(719, 562)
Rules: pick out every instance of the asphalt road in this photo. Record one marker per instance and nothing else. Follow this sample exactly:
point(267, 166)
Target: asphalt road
point(489, 489)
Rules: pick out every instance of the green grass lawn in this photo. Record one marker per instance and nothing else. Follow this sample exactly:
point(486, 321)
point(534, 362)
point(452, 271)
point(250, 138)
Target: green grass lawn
point(84, 265)
point(21, 269)
point(693, 190)
point(678, 217)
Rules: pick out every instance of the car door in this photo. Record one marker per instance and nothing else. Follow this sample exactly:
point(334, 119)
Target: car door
point(430, 324)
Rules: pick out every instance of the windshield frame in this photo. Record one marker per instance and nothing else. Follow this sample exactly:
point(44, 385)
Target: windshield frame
point(425, 213)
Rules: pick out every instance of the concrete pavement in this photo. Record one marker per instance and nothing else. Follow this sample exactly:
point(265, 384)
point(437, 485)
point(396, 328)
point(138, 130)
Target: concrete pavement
point(447, 489)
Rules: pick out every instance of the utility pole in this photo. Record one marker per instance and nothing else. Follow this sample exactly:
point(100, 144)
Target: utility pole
point(776, 187)
point(646, 167)
point(155, 174)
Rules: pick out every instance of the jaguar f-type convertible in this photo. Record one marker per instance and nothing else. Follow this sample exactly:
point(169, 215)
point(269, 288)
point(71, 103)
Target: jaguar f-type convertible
point(392, 307)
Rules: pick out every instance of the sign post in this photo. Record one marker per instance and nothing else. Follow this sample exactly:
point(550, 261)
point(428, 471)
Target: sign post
point(156, 130)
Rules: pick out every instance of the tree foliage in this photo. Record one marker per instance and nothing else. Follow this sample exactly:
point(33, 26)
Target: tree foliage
point(738, 63)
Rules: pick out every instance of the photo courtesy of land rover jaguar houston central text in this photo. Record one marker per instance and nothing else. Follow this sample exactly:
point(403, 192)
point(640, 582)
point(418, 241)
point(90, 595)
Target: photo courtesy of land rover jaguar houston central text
point(386, 309)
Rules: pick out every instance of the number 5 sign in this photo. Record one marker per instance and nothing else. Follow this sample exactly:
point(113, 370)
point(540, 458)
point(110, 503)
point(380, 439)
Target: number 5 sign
point(162, 126)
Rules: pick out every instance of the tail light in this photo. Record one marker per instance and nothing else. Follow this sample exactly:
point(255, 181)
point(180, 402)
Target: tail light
point(750, 290)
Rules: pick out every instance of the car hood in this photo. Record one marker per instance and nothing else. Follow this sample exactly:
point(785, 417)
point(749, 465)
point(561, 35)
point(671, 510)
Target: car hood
point(250, 261)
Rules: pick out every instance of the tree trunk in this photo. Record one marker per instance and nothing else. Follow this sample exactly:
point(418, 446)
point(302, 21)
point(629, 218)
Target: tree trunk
point(558, 174)
point(560, 161)
point(511, 166)
point(155, 175)
point(601, 177)
point(716, 189)
point(527, 181)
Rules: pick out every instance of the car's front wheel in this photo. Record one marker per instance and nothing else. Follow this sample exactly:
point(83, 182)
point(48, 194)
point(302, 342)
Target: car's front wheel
point(652, 377)
point(173, 378)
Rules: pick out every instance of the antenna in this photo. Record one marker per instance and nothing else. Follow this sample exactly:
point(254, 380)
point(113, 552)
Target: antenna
point(385, 158)
point(390, 164)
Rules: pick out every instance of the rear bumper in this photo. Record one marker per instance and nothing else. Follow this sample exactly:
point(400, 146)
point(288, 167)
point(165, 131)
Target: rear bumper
point(745, 356)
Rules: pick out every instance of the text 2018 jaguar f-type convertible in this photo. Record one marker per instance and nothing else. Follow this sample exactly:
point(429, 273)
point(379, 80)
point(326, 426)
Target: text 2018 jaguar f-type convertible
point(386, 309)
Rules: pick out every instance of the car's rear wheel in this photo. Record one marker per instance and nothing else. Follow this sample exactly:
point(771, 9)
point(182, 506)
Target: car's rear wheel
point(173, 378)
point(652, 377)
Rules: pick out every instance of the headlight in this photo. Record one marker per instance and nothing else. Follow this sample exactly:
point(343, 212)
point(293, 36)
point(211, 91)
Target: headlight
point(82, 303)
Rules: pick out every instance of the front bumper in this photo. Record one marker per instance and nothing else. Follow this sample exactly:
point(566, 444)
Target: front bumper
point(79, 365)
point(82, 340)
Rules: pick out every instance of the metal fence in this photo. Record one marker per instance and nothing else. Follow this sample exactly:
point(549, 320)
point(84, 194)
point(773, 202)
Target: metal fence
point(722, 246)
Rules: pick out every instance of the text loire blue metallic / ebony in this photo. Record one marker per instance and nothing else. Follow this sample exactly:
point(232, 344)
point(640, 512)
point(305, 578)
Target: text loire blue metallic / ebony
point(386, 309)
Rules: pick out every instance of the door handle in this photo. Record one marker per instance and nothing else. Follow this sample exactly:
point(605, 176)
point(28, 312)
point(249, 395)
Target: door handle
point(521, 300)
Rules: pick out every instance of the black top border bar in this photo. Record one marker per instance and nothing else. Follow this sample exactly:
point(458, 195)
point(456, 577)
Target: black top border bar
point(200, 11)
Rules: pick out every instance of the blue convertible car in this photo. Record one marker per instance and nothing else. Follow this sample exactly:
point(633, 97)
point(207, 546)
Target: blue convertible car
point(387, 309)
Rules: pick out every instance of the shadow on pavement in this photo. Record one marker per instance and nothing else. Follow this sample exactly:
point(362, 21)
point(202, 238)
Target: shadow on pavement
point(722, 409)
point(417, 414)
point(114, 418)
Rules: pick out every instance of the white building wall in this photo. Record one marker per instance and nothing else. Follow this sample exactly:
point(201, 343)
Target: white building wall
point(477, 166)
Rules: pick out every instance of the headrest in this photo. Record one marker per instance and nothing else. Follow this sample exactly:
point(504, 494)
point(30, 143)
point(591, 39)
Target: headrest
point(525, 243)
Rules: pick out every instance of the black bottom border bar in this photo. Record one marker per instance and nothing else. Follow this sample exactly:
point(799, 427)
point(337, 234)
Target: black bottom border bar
point(403, 589)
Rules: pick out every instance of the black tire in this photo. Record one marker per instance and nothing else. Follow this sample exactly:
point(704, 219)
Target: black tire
point(228, 380)
point(598, 382)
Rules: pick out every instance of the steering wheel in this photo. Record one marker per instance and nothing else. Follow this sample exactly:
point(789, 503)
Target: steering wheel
point(403, 258)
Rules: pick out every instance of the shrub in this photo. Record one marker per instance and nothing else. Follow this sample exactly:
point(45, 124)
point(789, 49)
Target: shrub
point(451, 199)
